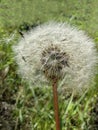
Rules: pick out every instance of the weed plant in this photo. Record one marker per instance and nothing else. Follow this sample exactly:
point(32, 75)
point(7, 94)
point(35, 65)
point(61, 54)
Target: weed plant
point(21, 106)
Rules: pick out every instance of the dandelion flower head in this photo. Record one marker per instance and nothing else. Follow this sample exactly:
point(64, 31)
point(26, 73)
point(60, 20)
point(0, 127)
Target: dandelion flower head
point(57, 50)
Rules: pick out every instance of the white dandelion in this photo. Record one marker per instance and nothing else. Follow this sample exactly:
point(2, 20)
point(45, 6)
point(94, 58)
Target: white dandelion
point(57, 50)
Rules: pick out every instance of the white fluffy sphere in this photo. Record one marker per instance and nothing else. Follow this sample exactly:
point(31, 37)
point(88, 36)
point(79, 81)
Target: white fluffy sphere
point(82, 57)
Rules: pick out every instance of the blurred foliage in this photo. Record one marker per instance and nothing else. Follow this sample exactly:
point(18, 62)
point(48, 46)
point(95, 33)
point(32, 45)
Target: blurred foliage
point(21, 106)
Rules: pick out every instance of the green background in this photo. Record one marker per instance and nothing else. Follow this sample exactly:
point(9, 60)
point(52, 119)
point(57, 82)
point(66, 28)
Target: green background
point(27, 108)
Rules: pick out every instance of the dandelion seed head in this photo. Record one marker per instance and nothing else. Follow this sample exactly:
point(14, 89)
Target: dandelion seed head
point(57, 50)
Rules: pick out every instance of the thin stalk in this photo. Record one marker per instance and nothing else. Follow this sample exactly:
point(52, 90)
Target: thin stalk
point(56, 107)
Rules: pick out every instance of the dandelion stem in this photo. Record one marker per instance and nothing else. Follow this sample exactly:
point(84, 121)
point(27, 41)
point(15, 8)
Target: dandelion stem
point(56, 107)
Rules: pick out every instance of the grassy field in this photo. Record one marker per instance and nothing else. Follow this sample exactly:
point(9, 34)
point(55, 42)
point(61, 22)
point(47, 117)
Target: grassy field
point(23, 107)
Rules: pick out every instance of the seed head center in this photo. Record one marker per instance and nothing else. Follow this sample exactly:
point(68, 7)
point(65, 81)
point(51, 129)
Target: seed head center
point(53, 61)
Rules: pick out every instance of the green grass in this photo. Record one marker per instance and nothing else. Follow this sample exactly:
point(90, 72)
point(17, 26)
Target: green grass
point(32, 108)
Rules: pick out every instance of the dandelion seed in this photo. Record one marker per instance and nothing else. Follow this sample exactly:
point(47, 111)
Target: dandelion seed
point(11, 37)
point(57, 50)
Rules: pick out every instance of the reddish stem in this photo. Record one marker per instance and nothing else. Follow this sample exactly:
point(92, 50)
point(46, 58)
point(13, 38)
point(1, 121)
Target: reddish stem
point(56, 107)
